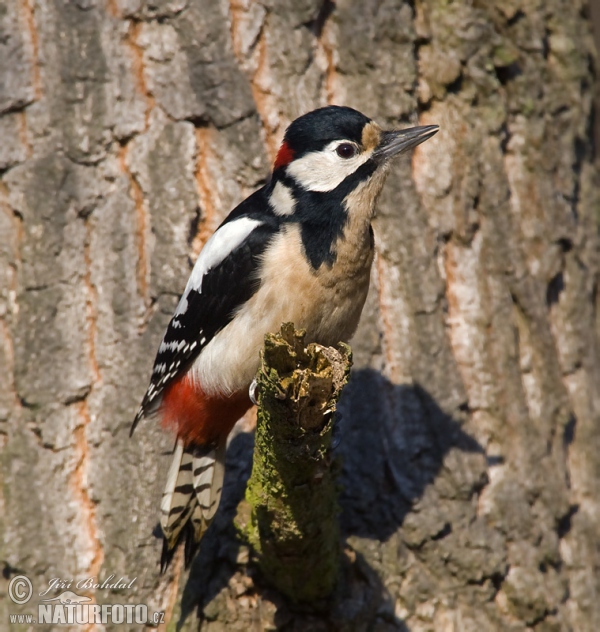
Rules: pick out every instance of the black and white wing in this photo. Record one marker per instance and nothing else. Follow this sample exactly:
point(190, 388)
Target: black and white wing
point(225, 276)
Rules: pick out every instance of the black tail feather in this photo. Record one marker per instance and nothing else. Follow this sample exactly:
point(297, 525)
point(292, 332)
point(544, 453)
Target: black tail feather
point(166, 556)
point(187, 537)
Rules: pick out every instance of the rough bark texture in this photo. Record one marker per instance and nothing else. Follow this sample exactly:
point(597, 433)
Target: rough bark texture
point(471, 434)
point(292, 525)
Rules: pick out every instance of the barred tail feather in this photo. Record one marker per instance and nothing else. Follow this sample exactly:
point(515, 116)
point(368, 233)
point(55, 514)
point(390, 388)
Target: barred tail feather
point(191, 497)
point(209, 472)
point(178, 499)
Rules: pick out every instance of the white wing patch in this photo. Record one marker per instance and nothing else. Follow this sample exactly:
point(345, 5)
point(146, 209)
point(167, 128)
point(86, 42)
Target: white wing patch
point(324, 170)
point(226, 239)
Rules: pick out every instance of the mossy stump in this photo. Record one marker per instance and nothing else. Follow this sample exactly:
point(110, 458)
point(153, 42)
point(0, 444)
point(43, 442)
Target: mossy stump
point(292, 492)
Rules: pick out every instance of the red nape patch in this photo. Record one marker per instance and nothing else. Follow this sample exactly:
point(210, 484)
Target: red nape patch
point(197, 417)
point(285, 155)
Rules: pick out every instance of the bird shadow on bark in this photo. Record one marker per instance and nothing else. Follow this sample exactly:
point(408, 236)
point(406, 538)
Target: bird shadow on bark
point(393, 441)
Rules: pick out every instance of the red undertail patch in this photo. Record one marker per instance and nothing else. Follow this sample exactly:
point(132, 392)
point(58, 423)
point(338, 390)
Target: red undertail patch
point(285, 155)
point(197, 417)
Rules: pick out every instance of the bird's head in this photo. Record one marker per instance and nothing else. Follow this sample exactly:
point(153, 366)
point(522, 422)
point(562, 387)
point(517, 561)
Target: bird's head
point(338, 150)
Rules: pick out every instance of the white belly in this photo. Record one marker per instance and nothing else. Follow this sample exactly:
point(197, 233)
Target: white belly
point(327, 304)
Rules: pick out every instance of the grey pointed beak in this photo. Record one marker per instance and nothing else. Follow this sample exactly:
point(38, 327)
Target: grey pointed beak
point(395, 142)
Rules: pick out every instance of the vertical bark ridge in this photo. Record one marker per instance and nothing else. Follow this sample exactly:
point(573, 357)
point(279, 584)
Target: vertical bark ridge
point(252, 54)
point(142, 221)
point(23, 133)
point(28, 7)
point(394, 330)
point(94, 556)
point(137, 55)
point(325, 52)
point(142, 214)
point(207, 190)
point(9, 306)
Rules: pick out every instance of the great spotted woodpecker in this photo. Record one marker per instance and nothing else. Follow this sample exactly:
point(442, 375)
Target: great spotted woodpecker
point(297, 250)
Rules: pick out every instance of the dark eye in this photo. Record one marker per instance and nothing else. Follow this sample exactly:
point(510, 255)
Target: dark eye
point(346, 150)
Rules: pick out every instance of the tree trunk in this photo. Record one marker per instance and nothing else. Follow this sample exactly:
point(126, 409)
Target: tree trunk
point(470, 428)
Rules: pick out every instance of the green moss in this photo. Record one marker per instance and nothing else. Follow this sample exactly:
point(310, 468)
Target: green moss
point(292, 492)
point(528, 106)
point(505, 54)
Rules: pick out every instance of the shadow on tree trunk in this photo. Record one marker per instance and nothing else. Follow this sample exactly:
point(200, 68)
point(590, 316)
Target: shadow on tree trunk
point(394, 440)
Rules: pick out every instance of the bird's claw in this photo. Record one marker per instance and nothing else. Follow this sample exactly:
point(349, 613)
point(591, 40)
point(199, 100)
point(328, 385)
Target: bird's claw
point(252, 392)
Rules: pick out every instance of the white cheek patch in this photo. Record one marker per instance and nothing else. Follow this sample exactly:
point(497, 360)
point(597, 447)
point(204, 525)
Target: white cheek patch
point(324, 170)
point(281, 200)
point(224, 241)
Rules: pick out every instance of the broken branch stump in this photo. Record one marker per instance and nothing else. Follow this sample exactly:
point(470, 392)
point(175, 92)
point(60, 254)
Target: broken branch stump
point(292, 491)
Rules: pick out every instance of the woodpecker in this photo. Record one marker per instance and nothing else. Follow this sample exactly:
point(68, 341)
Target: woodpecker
point(297, 250)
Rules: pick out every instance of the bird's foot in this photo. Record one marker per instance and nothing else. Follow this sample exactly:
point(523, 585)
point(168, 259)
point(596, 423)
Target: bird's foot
point(252, 392)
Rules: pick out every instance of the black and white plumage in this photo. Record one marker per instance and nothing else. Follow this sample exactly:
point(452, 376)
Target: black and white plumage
point(299, 249)
point(213, 292)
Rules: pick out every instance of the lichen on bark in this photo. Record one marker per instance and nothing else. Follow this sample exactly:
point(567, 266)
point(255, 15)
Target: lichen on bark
point(292, 492)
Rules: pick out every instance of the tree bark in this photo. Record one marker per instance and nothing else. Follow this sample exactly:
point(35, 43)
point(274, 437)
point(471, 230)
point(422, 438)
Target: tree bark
point(471, 424)
point(292, 525)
